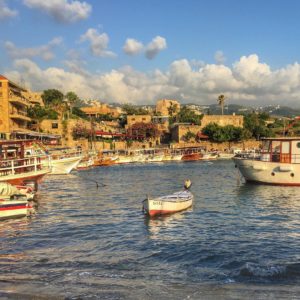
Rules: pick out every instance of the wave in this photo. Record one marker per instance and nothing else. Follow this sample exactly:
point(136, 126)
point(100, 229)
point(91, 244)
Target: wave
point(256, 271)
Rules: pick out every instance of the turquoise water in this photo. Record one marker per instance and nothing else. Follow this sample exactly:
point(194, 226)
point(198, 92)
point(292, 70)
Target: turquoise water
point(237, 241)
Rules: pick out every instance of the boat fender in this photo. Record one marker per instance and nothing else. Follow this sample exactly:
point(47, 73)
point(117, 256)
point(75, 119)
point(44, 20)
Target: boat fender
point(187, 184)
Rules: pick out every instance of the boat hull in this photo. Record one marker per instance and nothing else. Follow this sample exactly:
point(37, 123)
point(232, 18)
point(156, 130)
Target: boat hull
point(13, 209)
point(273, 173)
point(163, 205)
point(63, 165)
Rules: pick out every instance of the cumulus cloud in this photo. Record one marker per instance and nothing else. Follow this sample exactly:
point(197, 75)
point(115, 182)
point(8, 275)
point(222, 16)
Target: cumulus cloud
point(155, 46)
point(5, 11)
point(66, 11)
point(219, 57)
point(132, 47)
point(44, 51)
point(247, 81)
point(98, 43)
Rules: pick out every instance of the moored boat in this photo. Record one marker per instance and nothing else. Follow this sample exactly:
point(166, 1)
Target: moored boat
point(14, 208)
point(168, 204)
point(277, 164)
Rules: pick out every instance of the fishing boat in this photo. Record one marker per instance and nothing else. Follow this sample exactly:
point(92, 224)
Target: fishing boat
point(170, 203)
point(278, 163)
point(17, 169)
point(15, 202)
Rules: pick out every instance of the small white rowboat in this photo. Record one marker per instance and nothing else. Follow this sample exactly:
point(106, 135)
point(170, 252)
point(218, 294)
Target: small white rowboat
point(168, 204)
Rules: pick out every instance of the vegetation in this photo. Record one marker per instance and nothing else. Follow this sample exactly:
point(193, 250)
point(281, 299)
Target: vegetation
point(255, 125)
point(144, 131)
point(186, 115)
point(221, 102)
point(52, 97)
point(39, 113)
point(130, 109)
point(189, 136)
point(80, 131)
point(227, 133)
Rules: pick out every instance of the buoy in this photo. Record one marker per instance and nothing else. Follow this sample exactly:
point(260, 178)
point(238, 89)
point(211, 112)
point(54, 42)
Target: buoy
point(187, 184)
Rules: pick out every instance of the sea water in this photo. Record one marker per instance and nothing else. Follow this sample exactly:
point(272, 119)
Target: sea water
point(238, 241)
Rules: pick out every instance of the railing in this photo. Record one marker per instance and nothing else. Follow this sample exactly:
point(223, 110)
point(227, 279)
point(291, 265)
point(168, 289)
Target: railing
point(19, 166)
point(272, 157)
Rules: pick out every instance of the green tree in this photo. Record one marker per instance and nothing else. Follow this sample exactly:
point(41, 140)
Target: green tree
point(52, 97)
point(186, 115)
point(39, 113)
point(255, 125)
point(221, 102)
point(130, 109)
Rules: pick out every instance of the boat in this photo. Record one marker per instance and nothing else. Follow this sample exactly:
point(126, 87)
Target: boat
point(58, 160)
point(15, 202)
point(278, 163)
point(168, 204)
point(191, 156)
point(17, 169)
point(209, 156)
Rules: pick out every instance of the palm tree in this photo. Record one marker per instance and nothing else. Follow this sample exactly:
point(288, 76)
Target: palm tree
point(221, 102)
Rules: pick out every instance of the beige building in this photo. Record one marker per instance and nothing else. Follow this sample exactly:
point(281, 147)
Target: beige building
point(35, 98)
point(163, 107)
point(223, 120)
point(101, 109)
point(180, 130)
point(13, 107)
point(133, 119)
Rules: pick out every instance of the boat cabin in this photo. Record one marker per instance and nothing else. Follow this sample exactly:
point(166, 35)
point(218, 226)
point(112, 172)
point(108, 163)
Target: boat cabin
point(283, 150)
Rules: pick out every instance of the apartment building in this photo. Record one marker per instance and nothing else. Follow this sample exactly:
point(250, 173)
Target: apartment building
point(13, 107)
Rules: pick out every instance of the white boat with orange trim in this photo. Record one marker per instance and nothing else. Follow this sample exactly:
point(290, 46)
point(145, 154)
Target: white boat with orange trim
point(16, 169)
point(169, 204)
point(277, 164)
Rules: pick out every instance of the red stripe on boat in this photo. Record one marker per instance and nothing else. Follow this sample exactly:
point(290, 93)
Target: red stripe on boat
point(13, 207)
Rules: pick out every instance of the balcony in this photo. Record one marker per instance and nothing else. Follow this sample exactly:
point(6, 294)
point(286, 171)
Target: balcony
point(19, 115)
point(19, 100)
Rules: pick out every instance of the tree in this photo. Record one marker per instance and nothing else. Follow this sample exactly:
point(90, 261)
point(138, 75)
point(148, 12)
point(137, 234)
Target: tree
point(172, 109)
point(144, 130)
point(130, 109)
point(52, 97)
point(186, 115)
point(189, 135)
point(39, 113)
point(255, 125)
point(72, 99)
point(221, 102)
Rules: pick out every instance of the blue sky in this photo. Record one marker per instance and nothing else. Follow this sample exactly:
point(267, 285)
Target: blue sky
point(141, 51)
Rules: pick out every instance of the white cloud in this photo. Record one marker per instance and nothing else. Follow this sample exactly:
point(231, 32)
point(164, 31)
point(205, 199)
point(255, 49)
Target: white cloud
point(132, 47)
point(155, 46)
point(248, 81)
point(98, 43)
point(44, 51)
point(219, 57)
point(5, 11)
point(66, 11)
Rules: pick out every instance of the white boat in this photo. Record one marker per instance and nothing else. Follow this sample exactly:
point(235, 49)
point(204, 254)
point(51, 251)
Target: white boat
point(168, 204)
point(209, 156)
point(278, 163)
point(14, 202)
point(59, 161)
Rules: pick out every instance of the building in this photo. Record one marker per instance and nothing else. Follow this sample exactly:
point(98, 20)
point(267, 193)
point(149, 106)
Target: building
point(101, 109)
point(223, 120)
point(167, 107)
point(133, 119)
point(13, 107)
point(35, 98)
point(179, 130)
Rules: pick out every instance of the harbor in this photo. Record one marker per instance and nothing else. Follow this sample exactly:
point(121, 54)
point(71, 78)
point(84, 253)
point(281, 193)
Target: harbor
point(237, 240)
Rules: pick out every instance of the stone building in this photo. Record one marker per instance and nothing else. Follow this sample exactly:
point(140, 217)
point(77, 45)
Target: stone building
point(163, 107)
point(223, 120)
point(101, 109)
point(179, 130)
point(13, 107)
point(133, 119)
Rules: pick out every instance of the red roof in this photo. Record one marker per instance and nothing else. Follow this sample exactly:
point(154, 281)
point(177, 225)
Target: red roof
point(2, 77)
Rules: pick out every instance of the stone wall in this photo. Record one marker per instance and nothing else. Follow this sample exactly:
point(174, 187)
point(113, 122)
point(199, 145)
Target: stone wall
point(223, 120)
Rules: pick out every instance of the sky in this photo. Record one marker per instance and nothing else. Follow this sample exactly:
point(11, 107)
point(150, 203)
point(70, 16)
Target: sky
point(140, 51)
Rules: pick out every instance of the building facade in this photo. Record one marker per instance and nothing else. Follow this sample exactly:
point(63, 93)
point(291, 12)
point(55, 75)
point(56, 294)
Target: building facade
point(223, 120)
point(167, 107)
point(13, 107)
point(101, 109)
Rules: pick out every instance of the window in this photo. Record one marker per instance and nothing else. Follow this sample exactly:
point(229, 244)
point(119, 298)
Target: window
point(143, 119)
point(54, 125)
point(298, 145)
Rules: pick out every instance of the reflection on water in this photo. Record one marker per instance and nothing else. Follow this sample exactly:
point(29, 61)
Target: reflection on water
point(237, 241)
